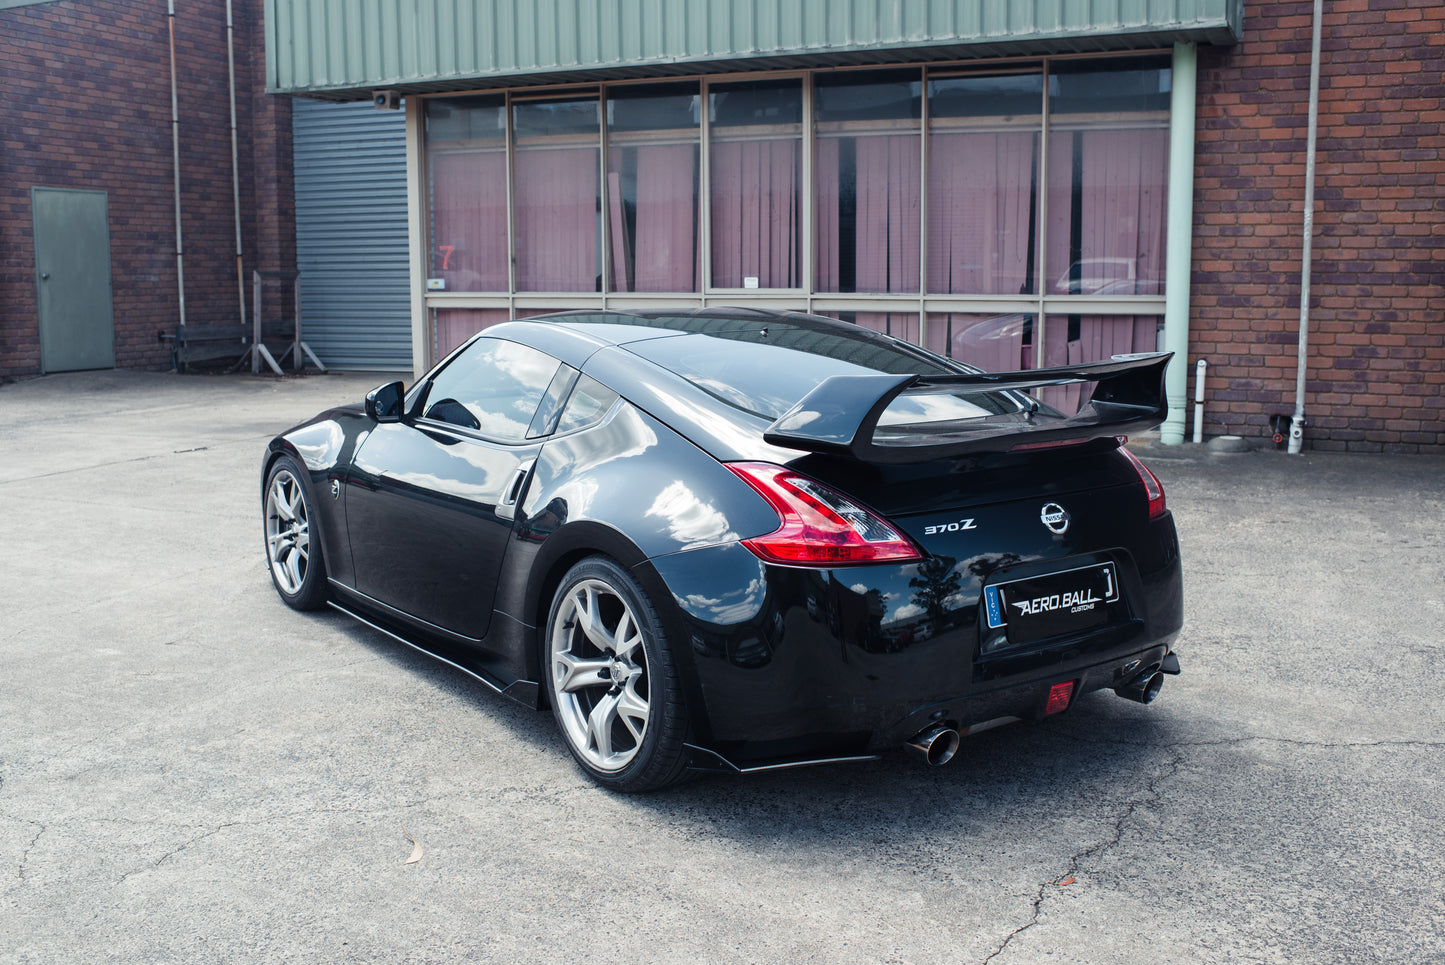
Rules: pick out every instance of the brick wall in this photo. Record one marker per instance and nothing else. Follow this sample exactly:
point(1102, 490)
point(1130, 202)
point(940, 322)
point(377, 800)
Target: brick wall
point(1376, 363)
point(85, 93)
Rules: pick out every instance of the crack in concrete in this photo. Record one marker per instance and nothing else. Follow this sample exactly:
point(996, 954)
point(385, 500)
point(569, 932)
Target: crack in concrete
point(1151, 795)
point(262, 822)
point(25, 855)
point(211, 447)
point(172, 853)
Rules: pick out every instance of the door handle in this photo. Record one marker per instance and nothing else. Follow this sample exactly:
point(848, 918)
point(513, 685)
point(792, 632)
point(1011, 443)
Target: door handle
point(507, 505)
point(45, 276)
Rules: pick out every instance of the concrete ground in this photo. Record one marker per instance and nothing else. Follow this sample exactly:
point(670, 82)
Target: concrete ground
point(190, 772)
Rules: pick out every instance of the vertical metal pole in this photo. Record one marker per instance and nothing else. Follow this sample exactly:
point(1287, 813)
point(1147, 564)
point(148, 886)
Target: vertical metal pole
point(418, 207)
point(604, 198)
point(807, 177)
point(704, 192)
point(176, 162)
point(1297, 424)
point(235, 166)
point(1041, 213)
point(924, 119)
point(1180, 227)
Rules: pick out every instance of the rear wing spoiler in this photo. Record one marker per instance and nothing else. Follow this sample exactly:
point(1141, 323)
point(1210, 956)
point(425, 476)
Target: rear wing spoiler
point(841, 415)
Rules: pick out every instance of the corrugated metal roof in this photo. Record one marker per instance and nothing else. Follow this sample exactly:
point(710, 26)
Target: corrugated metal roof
point(343, 49)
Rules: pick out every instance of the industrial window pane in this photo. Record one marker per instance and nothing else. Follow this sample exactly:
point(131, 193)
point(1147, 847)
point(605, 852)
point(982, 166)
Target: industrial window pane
point(652, 187)
point(1108, 172)
point(901, 325)
point(755, 158)
point(1075, 339)
point(557, 205)
point(467, 174)
point(983, 164)
point(994, 343)
point(456, 325)
point(868, 188)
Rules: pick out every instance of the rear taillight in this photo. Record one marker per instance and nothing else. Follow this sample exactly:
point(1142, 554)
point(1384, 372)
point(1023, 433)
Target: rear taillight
point(820, 526)
point(1151, 484)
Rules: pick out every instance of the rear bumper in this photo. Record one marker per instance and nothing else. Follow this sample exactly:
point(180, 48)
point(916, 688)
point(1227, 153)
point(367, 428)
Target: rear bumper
point(791, 665)
point(1018, 701)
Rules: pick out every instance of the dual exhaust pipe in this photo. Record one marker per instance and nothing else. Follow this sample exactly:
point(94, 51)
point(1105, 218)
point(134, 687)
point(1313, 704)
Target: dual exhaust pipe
point(938, 744)
point(1145, 685)
point(1143, 688)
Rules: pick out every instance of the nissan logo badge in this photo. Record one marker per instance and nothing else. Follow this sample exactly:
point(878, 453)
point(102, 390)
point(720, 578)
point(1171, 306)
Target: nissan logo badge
point(1055, 517)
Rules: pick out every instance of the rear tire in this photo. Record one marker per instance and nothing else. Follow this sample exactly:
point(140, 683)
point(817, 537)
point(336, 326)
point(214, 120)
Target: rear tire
point(611, 680)
point(293, 544)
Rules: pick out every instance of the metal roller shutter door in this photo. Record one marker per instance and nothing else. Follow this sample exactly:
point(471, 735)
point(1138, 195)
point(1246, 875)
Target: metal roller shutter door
point(351, 234)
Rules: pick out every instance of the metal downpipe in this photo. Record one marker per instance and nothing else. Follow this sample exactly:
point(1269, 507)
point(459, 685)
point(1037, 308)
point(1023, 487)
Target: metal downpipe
point(1297, 424)
point(235, 166)
point(1179, 248)
point(176, 163)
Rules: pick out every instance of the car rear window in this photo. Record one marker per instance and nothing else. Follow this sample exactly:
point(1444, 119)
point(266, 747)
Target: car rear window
point(767, 374)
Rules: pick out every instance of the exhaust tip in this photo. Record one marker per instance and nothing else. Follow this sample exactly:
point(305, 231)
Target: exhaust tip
point(1143, 688)
point(936, 745)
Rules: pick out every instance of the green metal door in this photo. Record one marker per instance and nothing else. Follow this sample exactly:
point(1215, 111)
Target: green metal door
point(72, 279)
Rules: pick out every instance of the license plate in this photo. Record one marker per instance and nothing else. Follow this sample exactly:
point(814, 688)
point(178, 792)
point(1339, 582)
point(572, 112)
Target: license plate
point(1055, 603)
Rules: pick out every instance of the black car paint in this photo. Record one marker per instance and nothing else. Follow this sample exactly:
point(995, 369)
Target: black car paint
point(779, 663)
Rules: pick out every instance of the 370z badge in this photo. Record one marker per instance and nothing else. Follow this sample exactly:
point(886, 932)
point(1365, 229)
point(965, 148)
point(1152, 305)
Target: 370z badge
point(957, 527)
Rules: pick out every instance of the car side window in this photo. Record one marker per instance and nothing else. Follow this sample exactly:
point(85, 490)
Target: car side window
point(589, 402)
point(493, 388)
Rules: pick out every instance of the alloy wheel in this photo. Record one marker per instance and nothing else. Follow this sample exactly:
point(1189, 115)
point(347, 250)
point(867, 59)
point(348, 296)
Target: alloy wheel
point(288, 532)
point(598, 663)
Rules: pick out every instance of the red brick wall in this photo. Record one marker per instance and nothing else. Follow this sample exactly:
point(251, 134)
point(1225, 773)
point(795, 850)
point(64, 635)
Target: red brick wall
point(86, 103)
point(1376, 362)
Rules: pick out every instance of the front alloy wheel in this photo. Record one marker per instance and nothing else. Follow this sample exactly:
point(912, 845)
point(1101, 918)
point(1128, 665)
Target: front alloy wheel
point(611, 680)
point(294, 558)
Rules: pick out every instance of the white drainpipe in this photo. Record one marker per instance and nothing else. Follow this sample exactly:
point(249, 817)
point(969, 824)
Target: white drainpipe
point(1200, 368)
point(1297, 424)
point(1180, 221)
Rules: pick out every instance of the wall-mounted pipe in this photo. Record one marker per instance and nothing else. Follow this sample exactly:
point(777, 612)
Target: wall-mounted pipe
point(235, 166)
point(1200, 368)
point(1179, 249)
point(1297, 424)
point(176, 162)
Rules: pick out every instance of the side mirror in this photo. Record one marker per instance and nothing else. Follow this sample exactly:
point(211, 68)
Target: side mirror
point(384, 402)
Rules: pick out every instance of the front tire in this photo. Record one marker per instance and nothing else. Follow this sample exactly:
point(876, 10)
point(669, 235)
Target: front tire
point(611, 680)
point(293, 546)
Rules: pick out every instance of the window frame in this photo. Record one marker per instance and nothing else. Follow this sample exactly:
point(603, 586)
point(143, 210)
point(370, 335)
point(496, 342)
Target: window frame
point(419, 401)
point(921, 304)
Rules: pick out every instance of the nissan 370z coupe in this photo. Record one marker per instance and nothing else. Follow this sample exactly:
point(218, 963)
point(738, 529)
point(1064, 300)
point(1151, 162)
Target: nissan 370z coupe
point(737, 540)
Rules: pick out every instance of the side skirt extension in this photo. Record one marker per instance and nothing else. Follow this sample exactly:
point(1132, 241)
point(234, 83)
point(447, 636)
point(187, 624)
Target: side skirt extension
point(522, 691)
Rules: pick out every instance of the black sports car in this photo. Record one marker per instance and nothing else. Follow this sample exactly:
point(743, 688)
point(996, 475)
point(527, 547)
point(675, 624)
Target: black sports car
point(739, 540)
